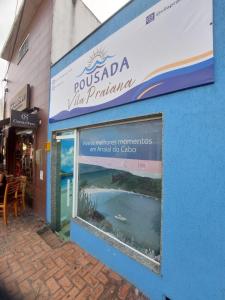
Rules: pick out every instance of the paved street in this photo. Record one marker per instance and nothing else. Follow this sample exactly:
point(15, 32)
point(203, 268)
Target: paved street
point(35, 264)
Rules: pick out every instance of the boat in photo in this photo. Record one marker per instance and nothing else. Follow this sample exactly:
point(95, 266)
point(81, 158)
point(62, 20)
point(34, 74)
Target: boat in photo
point(120, 218)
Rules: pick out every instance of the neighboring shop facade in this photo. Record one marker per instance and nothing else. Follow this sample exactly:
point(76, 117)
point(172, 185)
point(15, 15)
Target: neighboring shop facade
point(134, 179)
point(36, 40)
point(28, 50)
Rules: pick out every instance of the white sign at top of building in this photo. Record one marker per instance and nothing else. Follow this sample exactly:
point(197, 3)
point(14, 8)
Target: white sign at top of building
point(167, 48)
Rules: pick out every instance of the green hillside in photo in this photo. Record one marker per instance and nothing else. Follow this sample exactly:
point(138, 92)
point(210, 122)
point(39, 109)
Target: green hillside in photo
point(96, 176)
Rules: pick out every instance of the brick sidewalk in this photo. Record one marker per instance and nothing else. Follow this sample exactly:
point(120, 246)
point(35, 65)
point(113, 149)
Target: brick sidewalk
point(39, 266)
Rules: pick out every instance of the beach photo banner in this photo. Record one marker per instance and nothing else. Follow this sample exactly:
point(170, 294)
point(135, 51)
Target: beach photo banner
point(120, 183)
point(167, 48)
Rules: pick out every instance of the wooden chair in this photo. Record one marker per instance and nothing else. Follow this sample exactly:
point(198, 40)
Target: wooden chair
point(10, 198)
point(9, 178)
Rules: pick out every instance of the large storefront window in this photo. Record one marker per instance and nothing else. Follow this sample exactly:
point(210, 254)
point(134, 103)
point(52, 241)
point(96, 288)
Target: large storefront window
point(120, 182)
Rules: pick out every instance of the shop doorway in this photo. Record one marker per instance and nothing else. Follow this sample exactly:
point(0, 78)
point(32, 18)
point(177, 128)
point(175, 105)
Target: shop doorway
point(24, 160)
point(19, 155)
point(24, 154)
point(65, 145)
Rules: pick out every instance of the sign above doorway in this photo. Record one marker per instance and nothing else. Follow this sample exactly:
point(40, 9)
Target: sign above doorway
point(23, 119)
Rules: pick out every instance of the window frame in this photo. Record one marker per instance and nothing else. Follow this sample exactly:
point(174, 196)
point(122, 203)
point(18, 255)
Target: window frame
point(19, 56)
point(125, 248)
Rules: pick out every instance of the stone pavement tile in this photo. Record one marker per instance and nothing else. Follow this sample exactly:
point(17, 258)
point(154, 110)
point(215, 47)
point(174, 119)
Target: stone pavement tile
point(78, 281)
point(50, 273)
point(123, 291)
point(59, 295)
point(102, 278)
point(86, 269)
point(60, 272)
point(5, 274)
point(39, 287)
point(98, 292)
point(60, 262)
point(48, 262)
point(91, 279)
point(26, 275)
point(91, 259)
point(25, 287)
point(85, 294)
point(52, 285)
point(65, 283)
point(109, 292)
point(99, 266)
point(33, 267)
point(72, 293)
point(37, 263)
point(105, 269)
point(38, 274)
point(14, 266)
point(82, 261)
point(113, 276)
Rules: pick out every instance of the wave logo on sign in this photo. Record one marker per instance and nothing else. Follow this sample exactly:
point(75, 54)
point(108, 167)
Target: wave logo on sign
point(99, 69)
point(97, 60)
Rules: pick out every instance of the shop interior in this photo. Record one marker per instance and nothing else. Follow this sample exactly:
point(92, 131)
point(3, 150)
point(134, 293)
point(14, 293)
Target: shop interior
point(24, 154)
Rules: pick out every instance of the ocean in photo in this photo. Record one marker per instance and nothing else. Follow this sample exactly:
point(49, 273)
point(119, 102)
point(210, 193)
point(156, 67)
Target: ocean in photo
point(134, 217)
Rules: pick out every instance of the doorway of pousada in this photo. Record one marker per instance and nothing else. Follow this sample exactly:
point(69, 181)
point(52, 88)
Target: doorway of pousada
point(64, 181)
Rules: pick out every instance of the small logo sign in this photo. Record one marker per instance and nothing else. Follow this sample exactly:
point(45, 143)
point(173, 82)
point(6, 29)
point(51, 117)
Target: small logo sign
point(24, 117)
point(150, 18)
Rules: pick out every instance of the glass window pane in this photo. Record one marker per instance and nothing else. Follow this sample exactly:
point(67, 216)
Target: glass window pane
point(120, 174)
point(64, 167)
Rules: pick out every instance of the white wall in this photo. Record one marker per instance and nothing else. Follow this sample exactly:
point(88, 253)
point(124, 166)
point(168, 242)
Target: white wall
point(72, 22)
point(1, 109)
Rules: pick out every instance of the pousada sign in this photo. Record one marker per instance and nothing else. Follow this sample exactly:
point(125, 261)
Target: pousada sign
point(90, 80)
point(167, 48)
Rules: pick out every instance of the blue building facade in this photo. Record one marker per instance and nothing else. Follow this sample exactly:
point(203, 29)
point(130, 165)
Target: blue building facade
point(192, 211)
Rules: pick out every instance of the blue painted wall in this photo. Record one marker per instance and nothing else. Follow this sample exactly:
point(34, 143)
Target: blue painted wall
point(193, 228)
